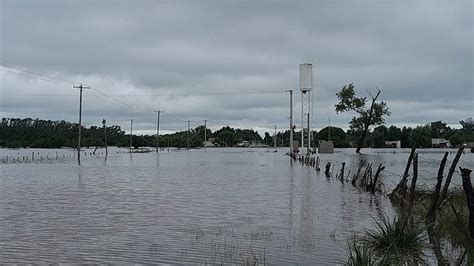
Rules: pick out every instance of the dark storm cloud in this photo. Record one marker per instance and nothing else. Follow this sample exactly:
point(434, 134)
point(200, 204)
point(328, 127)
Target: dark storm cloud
point(419, 53)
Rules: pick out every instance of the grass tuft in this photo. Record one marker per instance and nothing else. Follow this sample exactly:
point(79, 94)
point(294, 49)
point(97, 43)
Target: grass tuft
point(395, 241)
point(359, 253)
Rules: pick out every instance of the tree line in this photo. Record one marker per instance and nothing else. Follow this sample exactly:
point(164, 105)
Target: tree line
point(37, 133)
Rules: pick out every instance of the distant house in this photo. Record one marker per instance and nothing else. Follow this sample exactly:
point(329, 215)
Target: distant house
point(326, 146)
point(393, 144)
point(353, 144)
point(440, 143)
point(244, 143)
point(209, 143)
point(469, 144)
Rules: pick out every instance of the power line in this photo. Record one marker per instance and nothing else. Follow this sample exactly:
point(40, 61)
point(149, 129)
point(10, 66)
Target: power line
point(149, 95)
point(196, 94)
point(36, 77)
point(175, 118)
point(36, 74)
point(105, 95)
point(30, 74)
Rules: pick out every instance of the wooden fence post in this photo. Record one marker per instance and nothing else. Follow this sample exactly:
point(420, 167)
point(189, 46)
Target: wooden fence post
point(467, 186)
point(450, 174)
point(342, 172)
point(401, 188)
point(430, 216)
point(328, 167)
point(376, 177)
point(412, 187)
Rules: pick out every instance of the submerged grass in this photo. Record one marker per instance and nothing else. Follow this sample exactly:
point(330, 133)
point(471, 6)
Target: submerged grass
point(451, 223)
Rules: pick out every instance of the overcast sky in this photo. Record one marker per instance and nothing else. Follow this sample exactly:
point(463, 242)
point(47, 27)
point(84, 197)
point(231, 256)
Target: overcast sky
point(184, 57)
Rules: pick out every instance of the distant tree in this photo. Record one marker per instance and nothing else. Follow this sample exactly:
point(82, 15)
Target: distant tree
point(457, 138)
point(405, 138)
point(379, 136)
point(421, 136)
point(268, 140)
point(467, 125)
point(394, 133)
point(335, 134)
point(226, 138)
point(367, 115)
point(467, 129)
point(439, 130)
point(200, 131)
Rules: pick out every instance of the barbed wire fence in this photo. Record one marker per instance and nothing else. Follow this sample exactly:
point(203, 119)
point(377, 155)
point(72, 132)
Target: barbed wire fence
point(394, 169)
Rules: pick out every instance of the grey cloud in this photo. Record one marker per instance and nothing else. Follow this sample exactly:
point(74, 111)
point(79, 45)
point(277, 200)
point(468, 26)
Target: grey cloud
point(419, 53)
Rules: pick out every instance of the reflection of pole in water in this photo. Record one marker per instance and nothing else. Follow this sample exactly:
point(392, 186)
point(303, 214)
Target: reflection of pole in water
point(292, 196)
point(306, 215)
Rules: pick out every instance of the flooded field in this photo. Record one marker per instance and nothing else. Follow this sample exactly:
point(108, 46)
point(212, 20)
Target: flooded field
point(197, 206)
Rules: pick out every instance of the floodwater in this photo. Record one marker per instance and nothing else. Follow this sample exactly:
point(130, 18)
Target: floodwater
point(200, 206)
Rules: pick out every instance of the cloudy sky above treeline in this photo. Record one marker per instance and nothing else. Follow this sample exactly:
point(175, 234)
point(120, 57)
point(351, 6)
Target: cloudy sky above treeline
point(230, 62)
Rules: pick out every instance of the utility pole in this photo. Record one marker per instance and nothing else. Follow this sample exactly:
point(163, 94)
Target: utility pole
point(189, 121)
point(131, 130)
point(275, 137)
point(205, 134)
point(329, 128)
point(80, 87)
point(291, 121)
point(308, 150)
point(158, 131)
point(105, 136)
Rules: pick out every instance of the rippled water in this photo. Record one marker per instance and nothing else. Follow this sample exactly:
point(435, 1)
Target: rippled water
point(198, 206)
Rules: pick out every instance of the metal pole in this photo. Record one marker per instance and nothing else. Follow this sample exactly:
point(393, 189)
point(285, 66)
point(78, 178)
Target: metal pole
point(275, 137)
point(131, 130)
point(291, 121)
point(310, 118)
point(308, 148)
point(80, 87)
point(158, 131)
point(80, 125)
point(205, 134)
point(302, 122)
point(188, 134)
point(105, 136)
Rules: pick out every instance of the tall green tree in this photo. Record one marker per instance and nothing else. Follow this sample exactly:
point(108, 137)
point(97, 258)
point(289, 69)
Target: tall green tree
point(335, 134)
point(379, 136)
point(367, 115)
point(394, 133)
point(421, 136)
point(467, 129)
point(439, 130)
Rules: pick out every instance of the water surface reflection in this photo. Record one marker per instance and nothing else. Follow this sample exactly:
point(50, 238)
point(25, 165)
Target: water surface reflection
point(203, 206)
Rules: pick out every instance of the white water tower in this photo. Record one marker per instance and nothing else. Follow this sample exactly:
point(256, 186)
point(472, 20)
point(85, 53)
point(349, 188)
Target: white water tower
point(306, 85)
